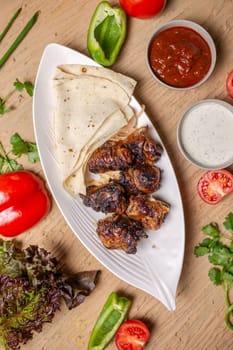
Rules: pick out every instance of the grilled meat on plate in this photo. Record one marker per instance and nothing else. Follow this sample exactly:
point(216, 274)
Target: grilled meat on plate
point(145, 179)
point(120, 232)
point(107, 198)
point(148, 211)
point(135, 150)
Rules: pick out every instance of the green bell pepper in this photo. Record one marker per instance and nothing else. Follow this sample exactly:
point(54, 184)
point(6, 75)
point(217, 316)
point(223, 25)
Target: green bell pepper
point(112, 315)
point(106, 33)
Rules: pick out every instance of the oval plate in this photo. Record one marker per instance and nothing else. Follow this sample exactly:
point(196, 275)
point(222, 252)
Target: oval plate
point(157, 265)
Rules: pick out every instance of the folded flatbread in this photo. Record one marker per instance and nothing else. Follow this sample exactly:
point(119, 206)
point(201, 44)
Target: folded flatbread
point(90, 104)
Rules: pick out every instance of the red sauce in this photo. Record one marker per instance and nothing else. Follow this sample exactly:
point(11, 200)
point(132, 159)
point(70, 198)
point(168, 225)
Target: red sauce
point(179, 56)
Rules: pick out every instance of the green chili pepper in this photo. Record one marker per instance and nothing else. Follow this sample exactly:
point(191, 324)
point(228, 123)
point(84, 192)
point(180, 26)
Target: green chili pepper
point(106, 33)
point(112, 315)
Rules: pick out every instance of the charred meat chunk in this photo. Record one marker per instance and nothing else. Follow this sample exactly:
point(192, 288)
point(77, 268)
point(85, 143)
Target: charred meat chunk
point(150, 212)
point(120, 232)
point(110, 156)
point(135, 150)
point(107, 198)
point(145, 179)
point(144, 149)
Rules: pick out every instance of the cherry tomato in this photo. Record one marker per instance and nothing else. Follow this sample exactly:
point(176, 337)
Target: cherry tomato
point(214, 185)
point(132, 335)
point(143, 8)
point(229, 84)
point(23, 202)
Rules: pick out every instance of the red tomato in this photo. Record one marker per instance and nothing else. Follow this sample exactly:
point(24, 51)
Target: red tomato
point(143, 8)
point(132, 335)
point(229, 84)
point(214, 185)
point(23, 202)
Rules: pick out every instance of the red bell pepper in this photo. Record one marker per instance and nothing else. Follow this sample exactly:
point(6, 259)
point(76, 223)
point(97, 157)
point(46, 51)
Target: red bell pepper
point(23, 202)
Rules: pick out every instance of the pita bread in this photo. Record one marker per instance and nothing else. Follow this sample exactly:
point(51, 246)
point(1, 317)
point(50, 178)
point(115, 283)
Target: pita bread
point(90, 105)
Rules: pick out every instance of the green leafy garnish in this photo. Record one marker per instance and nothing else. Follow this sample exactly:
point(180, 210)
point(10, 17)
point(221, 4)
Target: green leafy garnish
point(29, 87)
point(228, 223)
point(19, 147)
point(3, 108)
point(18, 86)
point(221, 256)
point(32, 287)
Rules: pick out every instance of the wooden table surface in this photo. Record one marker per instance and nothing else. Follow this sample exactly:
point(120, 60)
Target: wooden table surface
point(198, 322)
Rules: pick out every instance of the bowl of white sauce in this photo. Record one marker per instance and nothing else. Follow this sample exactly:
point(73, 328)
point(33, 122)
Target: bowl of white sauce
point(205, 134)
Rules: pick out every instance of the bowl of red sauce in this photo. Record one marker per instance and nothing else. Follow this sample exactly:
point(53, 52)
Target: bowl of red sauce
point(181, 55)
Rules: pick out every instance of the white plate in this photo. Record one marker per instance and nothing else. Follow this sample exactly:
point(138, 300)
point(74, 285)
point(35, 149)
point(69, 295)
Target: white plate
point(157, 265)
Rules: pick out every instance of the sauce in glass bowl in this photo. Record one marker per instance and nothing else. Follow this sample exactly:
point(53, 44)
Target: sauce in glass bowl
point(179, 56)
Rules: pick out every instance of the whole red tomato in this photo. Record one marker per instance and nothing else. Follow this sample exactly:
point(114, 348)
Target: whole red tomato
point(143, 8)
point(23, 202)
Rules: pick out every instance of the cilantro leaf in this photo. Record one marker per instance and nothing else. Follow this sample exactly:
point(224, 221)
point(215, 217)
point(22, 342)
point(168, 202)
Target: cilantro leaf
point(11, 165)
point(220, 254)
point(228, 223)
point(33, 155)
point(29, 87)
point(227, 276)
point(231, 246)
point(18, 85)
point(211, 230)
point(3, 108)
point(200, 251)
point(215, 276)
point(20, 147)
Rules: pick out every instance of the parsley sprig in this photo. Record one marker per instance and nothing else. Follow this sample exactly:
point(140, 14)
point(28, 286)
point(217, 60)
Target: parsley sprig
point(9, 161)
point(221, 256)
point(18, 86)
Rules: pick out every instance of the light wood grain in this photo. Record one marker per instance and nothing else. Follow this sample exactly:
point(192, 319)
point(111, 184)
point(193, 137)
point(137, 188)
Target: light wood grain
point(198, 322)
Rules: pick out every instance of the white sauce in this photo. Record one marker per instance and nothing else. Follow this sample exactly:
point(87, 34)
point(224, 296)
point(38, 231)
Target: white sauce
point(206, 134)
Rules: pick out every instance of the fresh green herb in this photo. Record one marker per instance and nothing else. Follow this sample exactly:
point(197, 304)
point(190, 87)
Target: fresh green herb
point(29, 87)
point(18, 86)
point(3, 108)
point(32, 287)
point(228, 223)
point(19, 38)
point(111, 316)
point(221, 256)
point(19, 148)
point(5, 31)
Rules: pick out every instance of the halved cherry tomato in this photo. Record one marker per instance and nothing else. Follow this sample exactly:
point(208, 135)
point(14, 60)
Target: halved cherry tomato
point(132, 335)
point(229, 84)
point(23, 202)
point(214, 185)
point(143, 8)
